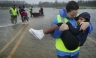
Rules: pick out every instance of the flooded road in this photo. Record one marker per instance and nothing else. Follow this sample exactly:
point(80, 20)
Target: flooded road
point(17, 42)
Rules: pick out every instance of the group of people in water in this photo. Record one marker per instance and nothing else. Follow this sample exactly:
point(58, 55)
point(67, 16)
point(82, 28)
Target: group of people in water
point(23, 11)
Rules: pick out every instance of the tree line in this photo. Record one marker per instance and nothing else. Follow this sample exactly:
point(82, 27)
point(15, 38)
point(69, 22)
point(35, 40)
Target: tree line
point(46, 4)
point(63, 4)
point(10, 3)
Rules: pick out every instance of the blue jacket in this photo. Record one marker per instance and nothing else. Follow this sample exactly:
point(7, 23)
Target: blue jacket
point(58, 33)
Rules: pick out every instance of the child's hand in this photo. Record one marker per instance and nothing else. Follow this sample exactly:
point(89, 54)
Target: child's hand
point(84, 25)
point(63, 27)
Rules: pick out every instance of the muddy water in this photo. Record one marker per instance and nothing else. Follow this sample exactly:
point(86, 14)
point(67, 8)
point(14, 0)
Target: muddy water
point(29, 46)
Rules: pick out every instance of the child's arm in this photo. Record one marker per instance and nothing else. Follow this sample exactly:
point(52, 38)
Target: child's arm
point(74, 30)
point(81, 35)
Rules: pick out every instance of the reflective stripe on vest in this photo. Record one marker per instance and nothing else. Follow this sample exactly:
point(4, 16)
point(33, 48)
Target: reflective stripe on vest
point(59, 44)
point(14, 11)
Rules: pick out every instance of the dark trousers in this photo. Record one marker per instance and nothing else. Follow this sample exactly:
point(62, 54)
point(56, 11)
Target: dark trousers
point(26, 18)
point(31, 14)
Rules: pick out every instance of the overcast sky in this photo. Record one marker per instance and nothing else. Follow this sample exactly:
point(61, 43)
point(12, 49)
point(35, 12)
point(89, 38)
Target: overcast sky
point(37, 1)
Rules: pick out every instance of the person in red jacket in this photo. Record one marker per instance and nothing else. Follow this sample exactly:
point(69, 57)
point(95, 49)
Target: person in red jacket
point(24, 16)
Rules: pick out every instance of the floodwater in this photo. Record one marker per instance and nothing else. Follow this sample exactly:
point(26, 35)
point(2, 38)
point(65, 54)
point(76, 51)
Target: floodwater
point(17, 42)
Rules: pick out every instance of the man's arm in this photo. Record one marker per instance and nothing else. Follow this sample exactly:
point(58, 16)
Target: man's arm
point(50, 29)
point(20, 12)
point(56, 33)
point(86, 25)
point(17, 12)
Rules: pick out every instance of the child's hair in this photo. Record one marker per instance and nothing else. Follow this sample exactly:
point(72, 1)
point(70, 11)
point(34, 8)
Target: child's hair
point(85, 15)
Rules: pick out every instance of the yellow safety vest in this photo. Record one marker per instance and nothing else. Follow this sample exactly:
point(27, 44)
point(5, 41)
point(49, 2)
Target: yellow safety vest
point(13, 11)
point(30, 9)
point(59, 44)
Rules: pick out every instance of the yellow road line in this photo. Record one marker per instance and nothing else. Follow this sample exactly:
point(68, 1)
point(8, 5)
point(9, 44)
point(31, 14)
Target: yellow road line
point(2, 50)
point(92, 40)
point(18, 42)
